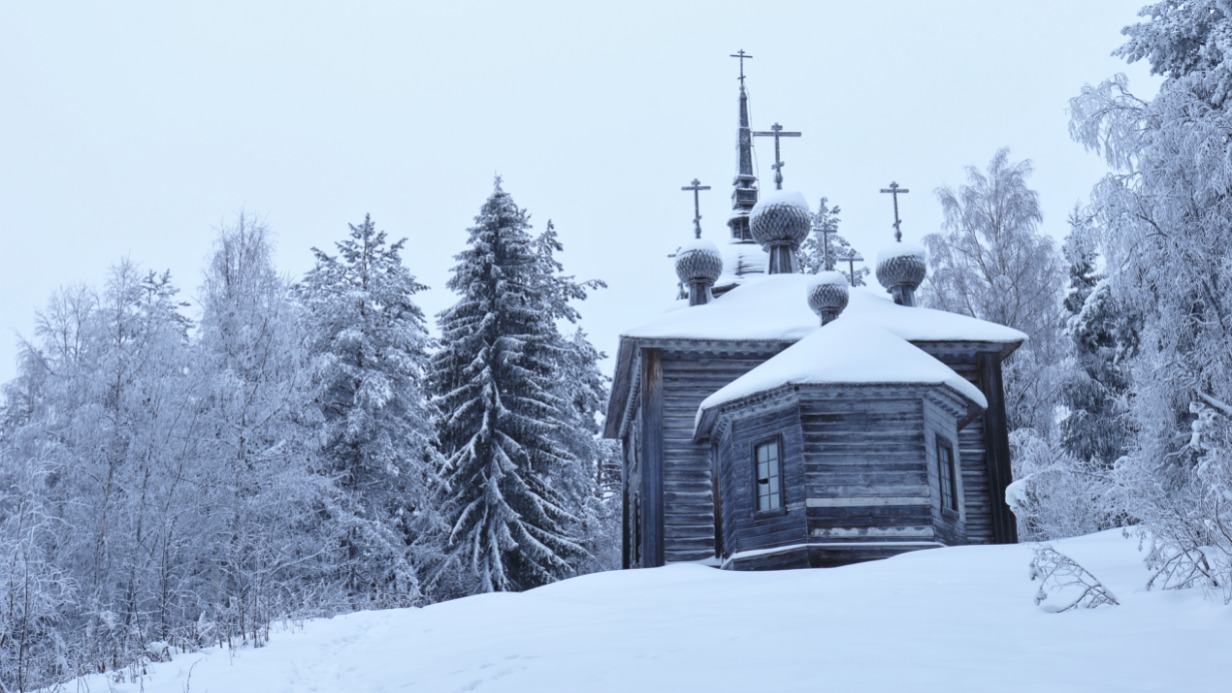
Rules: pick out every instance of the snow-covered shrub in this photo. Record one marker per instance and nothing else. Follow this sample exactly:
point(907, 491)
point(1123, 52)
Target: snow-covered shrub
point(1055, 495)
point(1073, 586)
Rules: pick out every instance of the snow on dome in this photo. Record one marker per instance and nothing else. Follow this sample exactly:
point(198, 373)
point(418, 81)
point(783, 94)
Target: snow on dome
point(828, 277)
point(698, 244)
point(847, 351)
point(795, 198)
point(900, 250)
point(770, 308)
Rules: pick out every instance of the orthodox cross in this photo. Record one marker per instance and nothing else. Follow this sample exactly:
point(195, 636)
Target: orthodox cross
point(896, 191)
point(696, 187)
point(741, 55)
point(776, 131)
point(852, 259)
point(827, 263)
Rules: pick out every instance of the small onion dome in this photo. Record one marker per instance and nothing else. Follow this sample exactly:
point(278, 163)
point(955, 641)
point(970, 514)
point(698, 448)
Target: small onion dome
point(780, 222)
point(781, 217)
point(827, 294)
point(699, 264)
point(698, 260)
point(900, 269)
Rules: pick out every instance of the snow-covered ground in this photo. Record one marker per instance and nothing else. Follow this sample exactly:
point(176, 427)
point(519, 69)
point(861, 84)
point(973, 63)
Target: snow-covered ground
point(959, 619)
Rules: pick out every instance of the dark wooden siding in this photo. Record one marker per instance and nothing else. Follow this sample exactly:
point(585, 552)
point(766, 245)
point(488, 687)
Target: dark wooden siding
point(745, 529)
point(972, 451)
point(688, 501)
point(949, 525)
point(865, 468)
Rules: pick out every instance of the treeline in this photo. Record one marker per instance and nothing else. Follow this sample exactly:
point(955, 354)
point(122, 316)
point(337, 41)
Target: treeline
point(1121, 401)
point(297, 449)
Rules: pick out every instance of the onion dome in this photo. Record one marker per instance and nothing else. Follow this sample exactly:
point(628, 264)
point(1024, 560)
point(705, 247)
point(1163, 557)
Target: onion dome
point(827, 294)
point(698, 265)
point(901, 269)
point(780, 222)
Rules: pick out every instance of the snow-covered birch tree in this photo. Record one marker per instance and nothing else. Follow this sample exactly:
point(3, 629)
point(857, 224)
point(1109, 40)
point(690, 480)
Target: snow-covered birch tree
point(992, 262)
point(1165, 213)
point(257, 479)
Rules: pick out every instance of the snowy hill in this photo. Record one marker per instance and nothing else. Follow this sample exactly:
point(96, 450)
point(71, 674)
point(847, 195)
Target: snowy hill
point(959, 619)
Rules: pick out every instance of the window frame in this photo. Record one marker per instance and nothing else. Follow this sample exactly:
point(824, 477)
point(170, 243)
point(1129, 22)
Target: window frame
point(947, 466)
point(774, 473)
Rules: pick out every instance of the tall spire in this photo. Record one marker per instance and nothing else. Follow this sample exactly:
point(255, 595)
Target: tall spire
point(744, 193)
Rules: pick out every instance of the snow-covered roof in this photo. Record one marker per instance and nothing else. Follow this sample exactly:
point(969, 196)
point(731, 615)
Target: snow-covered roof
point(743, 258)
point(775, 307)
point(847, 351)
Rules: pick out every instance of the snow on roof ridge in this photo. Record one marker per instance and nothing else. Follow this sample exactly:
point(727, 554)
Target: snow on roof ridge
point(847, 351)
point(775, 308)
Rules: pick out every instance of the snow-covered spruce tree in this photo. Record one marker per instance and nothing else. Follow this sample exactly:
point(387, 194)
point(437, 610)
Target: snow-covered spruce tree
point(812, 254)
point(261, 534)
point(369, 356)
point(1064, 486)
point(582, 396)
point(1103, 337)
point(1165, 215)
point(496, 380)
point(992, 262)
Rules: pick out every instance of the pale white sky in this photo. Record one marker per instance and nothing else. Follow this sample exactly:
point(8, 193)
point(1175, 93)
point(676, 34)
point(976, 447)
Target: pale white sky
point(137, 128)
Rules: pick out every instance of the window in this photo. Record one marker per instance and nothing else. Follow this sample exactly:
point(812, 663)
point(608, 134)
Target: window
point(769, 473)
point(948, 475)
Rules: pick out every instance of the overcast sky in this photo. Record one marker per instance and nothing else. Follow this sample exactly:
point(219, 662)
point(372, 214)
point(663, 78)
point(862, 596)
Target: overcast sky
point(135, 129)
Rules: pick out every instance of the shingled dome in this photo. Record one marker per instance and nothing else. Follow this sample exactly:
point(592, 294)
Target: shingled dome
point(901, 269)
point(698, 265)
point(780, 222)
point(828, 294)
point(699, 260)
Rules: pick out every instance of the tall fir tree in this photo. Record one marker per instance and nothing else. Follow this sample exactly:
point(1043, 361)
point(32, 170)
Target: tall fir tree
point(369, 363)
point(1103, 337)
point(582, 396)
point(495, 380)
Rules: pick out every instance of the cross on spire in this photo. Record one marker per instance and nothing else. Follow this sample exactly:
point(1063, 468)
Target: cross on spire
point(741, 55)
point(697, 187)
point(896, 191)
point(776, 131)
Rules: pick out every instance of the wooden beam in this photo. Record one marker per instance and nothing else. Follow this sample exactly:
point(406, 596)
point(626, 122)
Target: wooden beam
point(996, 438)
point(652, 458)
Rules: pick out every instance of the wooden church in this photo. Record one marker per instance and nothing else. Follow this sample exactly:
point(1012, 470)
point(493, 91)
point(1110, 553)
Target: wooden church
point(782, 420)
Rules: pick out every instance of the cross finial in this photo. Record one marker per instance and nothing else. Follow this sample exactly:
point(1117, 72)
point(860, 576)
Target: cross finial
point(696, 187)
point(896, 191)
point(827, 262)
point(741, 55)
point(776, 131)
point(852, 258)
